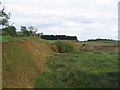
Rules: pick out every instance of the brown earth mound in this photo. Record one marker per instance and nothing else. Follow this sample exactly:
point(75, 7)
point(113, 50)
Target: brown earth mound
point(22, 61)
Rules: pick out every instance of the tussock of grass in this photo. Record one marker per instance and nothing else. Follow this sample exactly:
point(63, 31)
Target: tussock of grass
point(65, 46)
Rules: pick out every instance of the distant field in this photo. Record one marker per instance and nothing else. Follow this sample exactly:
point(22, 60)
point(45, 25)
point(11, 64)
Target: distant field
point(99, 41)
point(99, 46)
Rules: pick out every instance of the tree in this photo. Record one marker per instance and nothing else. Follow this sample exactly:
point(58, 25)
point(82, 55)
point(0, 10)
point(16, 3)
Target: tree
point(25, 31)
point(40, 34)
point(4, 17)
point(4, 21)
point(23, 28)
point(33, 30)
point(10, 30)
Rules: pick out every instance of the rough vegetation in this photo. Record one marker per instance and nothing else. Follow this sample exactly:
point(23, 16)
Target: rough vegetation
point(83, 69)
point(65, 46)
point(29, 62)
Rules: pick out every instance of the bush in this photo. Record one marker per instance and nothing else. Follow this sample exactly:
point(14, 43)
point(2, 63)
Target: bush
point(65, 46)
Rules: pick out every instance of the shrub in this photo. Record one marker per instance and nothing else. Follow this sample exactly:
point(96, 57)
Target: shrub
point(65, 46)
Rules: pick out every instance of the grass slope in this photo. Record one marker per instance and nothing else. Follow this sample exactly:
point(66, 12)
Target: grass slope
point(23, 59)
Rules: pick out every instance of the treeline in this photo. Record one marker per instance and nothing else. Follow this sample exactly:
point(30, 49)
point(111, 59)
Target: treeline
point(100, 40)
point(9, 29)
point(58, 37)
point(24, 31)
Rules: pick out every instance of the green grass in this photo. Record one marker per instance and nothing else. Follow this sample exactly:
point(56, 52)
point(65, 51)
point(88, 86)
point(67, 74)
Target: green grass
point(6, 39)
point(81, 69)
point(49, 41)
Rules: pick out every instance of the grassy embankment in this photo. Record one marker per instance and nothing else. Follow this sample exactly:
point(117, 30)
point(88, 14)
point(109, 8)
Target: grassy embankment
point(23, 58)
point(23, 66)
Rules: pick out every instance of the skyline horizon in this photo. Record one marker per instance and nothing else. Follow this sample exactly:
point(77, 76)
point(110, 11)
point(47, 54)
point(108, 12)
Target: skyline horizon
point(84, 19)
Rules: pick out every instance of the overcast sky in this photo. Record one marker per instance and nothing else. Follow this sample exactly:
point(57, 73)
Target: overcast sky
point(86, 19)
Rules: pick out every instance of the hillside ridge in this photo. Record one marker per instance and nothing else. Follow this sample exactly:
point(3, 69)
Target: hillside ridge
point(22, 61)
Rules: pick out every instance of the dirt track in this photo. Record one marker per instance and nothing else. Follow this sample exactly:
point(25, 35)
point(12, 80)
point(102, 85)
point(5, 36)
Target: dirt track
point(99, 46)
